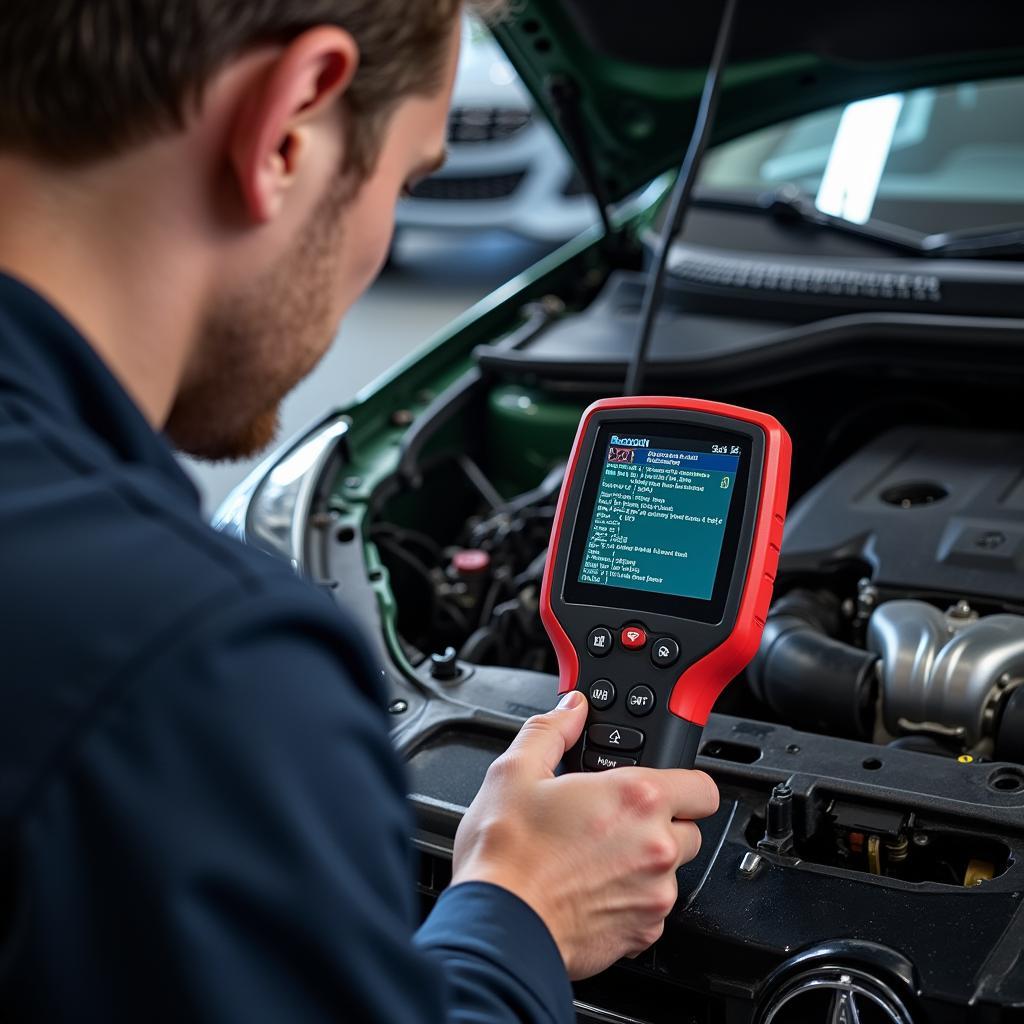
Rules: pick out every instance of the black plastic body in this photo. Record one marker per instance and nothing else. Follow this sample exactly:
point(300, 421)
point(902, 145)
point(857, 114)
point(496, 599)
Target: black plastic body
point(670, 741)
point(951, 954)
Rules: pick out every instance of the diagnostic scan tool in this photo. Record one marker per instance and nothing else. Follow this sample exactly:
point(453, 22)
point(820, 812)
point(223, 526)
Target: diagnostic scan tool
point(660, 573)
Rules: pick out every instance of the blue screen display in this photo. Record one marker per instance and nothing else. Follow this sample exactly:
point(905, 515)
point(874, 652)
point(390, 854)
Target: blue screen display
point(660, 515)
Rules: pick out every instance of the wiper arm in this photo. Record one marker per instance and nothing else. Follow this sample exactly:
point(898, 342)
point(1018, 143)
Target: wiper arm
point(1002, 240)
point(789, 205)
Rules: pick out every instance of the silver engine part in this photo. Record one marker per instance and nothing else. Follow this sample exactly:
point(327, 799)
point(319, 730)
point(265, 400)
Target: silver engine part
point(945, 672)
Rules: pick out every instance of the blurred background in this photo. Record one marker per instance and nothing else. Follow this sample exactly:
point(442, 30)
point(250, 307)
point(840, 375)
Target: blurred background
point(507, 196)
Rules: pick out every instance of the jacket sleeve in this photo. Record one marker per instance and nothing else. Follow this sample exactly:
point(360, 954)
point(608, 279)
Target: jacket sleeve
point(230, 842)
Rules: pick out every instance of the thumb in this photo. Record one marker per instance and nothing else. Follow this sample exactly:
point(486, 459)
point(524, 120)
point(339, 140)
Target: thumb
point(545, 738)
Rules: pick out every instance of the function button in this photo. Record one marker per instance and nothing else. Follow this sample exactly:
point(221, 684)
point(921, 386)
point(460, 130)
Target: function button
point(640, 701)
point(599, 643)
point(602, 694)
point(664, 651)
point(600, 760)
point(616, 737)
point(633, 637)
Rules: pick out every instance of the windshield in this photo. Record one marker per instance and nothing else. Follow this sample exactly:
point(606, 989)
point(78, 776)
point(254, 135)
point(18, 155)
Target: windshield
point(932, 160)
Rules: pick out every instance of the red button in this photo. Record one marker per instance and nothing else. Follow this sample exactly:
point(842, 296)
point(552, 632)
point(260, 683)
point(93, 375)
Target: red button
point(633, 638)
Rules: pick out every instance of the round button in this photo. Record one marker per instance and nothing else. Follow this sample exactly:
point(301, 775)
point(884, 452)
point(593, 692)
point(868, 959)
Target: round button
point(633, 637)
point(664, 651)
point(640, 701)
point(602, 694)
point(599, 643)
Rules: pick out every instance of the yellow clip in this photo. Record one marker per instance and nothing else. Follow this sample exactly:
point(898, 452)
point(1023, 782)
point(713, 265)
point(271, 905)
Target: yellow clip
point(874, 855)
point(978, 871)
point(965, 759)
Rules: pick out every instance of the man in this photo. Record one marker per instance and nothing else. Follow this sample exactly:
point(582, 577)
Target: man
point(201, 817)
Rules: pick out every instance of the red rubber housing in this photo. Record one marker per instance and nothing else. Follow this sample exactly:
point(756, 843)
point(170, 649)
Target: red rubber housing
point(699, 686)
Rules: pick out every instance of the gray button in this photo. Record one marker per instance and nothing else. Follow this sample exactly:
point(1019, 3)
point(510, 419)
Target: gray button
point(640, 701)
point(599, 643)
point(602, 694)
point(664, 651)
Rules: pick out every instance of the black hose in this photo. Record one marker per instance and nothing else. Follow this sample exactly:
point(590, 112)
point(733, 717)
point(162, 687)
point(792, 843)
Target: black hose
point(679, 201)
point(808, 678)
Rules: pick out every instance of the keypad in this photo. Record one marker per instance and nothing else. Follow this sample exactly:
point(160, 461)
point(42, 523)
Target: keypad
point(612, 744)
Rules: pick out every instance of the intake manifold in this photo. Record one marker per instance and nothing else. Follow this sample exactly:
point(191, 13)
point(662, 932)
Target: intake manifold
point(945, 671)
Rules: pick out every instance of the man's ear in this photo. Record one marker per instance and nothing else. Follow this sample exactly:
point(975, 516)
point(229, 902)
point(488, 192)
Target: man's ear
point(271, 135)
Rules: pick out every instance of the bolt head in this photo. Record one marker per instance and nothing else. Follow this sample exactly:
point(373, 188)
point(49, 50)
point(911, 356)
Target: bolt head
point(750, 865)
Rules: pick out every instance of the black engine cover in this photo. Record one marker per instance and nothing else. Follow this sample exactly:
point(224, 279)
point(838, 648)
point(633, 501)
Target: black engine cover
point(926, 510)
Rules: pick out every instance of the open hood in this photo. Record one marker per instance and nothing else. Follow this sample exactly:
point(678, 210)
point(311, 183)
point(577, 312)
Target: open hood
point(621, 79)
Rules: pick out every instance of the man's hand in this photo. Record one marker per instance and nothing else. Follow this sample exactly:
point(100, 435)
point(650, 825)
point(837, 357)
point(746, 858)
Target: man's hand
point(595, 855)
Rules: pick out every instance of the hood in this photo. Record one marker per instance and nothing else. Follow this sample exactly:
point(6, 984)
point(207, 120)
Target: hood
point(636, 68)
point(486, 78)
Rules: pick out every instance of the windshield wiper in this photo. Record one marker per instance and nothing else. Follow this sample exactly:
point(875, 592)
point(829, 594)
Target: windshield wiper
point(789, 205)
point(987, 243)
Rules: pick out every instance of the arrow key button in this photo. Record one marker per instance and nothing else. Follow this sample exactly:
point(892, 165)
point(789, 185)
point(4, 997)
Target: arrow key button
point(615, 737)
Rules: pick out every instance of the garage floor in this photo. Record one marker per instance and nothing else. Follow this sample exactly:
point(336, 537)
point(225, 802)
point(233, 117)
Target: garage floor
point(434, 279)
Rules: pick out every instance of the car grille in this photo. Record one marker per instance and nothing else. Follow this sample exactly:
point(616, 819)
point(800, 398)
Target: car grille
point(493, 186)
point(486, 124)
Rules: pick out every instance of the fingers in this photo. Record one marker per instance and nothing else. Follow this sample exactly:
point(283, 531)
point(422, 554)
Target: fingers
point(682, 794)
point(688, 839)
point(691, 794)
point(544, 739)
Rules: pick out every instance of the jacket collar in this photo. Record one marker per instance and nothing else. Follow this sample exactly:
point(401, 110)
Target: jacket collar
point(47, 362)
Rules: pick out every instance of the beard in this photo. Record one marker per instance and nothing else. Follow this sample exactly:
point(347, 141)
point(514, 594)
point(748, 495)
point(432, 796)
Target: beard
point(256, 345)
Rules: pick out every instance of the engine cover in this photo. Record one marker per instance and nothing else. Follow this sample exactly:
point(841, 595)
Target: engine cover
point(928, 510)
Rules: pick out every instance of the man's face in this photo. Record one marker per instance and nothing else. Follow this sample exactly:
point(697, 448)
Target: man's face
point(265, 336)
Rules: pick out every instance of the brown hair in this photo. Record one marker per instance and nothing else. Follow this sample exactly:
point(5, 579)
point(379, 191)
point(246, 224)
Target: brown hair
point(83, 79)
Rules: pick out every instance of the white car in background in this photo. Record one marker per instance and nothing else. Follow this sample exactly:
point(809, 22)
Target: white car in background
point(507, 169)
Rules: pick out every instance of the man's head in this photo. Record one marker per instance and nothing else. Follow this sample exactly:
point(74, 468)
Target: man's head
point(288, 128)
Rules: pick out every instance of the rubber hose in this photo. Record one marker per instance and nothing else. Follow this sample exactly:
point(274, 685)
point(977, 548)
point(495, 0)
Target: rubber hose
point(808, 678)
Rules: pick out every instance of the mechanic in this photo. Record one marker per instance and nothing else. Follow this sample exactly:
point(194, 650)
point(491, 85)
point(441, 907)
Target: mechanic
point(202, 816)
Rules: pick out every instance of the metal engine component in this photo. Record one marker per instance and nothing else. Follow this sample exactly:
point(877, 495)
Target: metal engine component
point(945, 672)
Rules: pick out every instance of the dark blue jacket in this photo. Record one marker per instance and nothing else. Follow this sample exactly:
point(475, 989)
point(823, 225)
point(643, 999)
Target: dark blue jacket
point(201, 817)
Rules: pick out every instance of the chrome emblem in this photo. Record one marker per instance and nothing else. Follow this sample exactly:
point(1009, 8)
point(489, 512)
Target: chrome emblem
point(834, 996)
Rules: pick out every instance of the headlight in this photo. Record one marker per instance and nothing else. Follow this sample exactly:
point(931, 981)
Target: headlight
point(270, 508)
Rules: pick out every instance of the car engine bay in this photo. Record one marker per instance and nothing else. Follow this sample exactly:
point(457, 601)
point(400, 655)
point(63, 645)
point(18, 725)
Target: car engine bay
point(904, 588)
point(872, 761)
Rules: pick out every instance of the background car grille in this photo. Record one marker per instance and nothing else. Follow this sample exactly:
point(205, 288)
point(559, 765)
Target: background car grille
point(494, 186)
point(486, 124)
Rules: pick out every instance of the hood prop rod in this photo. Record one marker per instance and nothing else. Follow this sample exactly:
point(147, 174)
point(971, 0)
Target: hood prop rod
point(564, 93)
point(679, 202)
